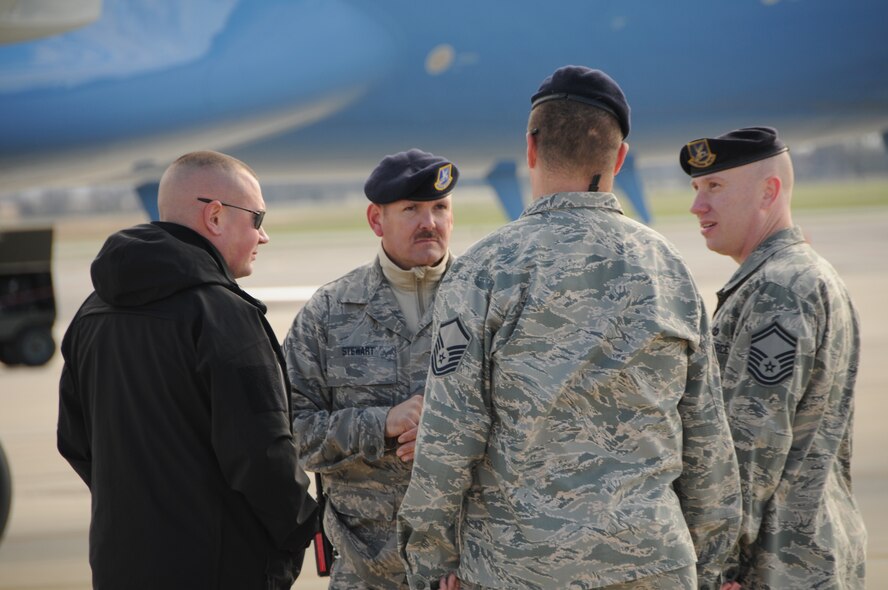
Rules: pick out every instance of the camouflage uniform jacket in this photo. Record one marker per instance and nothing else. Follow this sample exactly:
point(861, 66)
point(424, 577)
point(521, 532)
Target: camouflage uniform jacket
point(787, 340)
point(351, 357)
point(580, 439)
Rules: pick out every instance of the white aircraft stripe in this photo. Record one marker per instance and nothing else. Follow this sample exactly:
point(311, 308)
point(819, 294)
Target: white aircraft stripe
point(282, 294)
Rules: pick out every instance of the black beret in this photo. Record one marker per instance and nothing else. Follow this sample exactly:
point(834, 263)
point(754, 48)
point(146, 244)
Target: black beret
point(737, 148)
point(414, 175)
point(582, 84)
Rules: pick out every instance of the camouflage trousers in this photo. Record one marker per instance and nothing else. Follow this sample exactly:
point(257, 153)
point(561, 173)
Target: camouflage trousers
point(343, 577)
point(681, 579)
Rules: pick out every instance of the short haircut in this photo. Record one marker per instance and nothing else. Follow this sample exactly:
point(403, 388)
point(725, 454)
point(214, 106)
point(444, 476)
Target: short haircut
point(576, 137)
point(211, 159)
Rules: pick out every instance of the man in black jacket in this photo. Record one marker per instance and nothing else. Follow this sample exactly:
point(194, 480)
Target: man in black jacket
point(174, 405)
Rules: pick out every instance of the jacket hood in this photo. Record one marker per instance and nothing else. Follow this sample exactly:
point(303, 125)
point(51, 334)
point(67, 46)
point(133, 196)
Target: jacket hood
point(152, 261)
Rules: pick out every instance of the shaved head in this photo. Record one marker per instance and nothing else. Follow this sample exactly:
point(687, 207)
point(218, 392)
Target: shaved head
point(781, 167)
point(196, 174)
point(231, 193)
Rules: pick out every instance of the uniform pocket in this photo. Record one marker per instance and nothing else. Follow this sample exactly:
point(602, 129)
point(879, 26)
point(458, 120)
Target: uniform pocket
point(362, 376)
point(370, 364)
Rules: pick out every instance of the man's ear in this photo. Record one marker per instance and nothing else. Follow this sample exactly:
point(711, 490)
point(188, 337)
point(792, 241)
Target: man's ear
point(621, 157)
point(212, 218)
point(771, 191)
point(531, 150)
point(374, 213)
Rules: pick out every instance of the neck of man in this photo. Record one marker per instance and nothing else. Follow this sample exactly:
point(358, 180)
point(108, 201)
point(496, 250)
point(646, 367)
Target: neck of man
point(771, 226)
point(551, 183)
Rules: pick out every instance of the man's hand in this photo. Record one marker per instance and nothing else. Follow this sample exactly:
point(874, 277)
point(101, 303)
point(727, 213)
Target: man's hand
point(449, 582)
point(402, 421)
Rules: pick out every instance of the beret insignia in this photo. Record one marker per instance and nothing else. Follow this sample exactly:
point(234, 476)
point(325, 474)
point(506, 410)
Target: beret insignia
point(700, 154)
point(445, 177)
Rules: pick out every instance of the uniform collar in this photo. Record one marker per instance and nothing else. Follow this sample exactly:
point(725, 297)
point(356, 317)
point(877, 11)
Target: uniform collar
point(408, 280)
point(377, 296)
point(573, 200)
point(774, 243)
point(362, 292)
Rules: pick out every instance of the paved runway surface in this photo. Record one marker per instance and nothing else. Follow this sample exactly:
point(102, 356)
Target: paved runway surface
point(45, 546)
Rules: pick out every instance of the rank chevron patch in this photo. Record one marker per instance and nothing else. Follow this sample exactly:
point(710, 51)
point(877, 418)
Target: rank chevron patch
point(772, 353)
point(450, 346)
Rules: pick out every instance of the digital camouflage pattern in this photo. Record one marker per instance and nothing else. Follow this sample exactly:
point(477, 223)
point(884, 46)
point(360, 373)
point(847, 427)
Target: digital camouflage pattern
point(685, 577)
point(787, 341)
point(351, 357)
point(579, 440)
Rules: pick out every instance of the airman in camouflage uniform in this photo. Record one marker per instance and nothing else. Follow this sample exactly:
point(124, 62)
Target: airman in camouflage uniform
point(573, 434)
point(358, 355)
point(787, 341)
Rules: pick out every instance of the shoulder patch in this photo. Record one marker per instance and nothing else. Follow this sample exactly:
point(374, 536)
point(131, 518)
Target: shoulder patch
point(772, 352)
point(450, 346)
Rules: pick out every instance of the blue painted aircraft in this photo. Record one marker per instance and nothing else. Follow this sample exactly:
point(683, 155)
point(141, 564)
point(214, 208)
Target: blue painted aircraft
point(95, 91)
point(113, 90)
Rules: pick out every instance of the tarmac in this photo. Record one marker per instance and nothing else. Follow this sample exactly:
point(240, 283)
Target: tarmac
point(45, 545)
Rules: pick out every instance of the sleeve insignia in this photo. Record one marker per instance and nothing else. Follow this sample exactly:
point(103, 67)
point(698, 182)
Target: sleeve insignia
point(772, 352)
point(450, 346)
point(445, 177)
point(701, 155)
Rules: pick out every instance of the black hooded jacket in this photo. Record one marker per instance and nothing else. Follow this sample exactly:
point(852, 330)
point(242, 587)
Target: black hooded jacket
point(174, 409)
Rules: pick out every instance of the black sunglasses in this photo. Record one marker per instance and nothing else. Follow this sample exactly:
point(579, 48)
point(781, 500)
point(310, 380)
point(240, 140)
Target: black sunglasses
point(258, 216)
